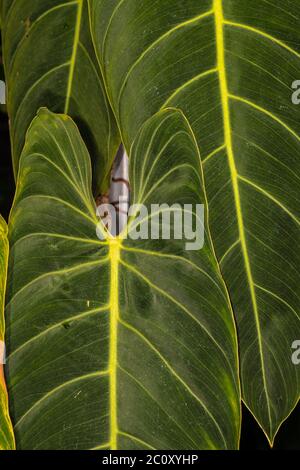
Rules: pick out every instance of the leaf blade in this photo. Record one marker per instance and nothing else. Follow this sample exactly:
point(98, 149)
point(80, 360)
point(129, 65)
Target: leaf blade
point(50, 61)
point(6, 432)
point(215, 61)
point(96, 319)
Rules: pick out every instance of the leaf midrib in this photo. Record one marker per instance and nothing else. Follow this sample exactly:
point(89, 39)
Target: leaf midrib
point(114, 255)
point(225, 97)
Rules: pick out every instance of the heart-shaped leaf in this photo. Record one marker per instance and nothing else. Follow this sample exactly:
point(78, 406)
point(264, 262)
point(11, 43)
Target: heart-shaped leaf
point(116, 343)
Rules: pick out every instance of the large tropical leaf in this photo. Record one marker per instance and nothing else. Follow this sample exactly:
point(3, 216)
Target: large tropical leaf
point(115, 343)
point(229, 66)
point(6, 432)
point(50, 61)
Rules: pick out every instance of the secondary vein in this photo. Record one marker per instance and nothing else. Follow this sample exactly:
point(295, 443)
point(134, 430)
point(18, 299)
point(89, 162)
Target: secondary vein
point(74, 55)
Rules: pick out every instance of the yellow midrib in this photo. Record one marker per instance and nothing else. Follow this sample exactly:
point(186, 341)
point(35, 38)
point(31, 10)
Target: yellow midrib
point(219, 22)
point(114, 255)
point(74, 55)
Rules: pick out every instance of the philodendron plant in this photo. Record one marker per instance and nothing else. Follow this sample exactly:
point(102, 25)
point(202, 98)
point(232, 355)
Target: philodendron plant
point(120, 342)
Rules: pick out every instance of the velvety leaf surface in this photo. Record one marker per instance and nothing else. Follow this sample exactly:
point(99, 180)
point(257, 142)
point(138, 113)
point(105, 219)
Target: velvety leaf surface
point(49, 61)
point(229, 65)
point(115, 343)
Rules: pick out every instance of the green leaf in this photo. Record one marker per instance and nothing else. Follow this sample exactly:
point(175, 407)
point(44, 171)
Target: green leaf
point(49, 61)
point(229, 65)
point(6, 432)
point(115, 343)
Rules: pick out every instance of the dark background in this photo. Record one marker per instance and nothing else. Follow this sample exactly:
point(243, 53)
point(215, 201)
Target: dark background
point(252, 438)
